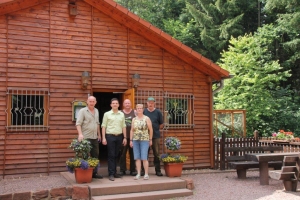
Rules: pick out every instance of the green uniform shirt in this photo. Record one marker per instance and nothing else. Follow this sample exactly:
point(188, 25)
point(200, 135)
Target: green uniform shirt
point(113, 122)
point(88, 122)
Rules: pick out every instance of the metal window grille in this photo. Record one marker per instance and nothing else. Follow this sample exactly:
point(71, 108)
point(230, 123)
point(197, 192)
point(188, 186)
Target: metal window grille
point(27, 109)
point(177, 109)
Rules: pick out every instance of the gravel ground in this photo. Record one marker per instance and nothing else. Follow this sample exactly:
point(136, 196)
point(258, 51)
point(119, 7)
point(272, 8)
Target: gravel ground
point(8, 186)
point(209, 185)
point(226, 186)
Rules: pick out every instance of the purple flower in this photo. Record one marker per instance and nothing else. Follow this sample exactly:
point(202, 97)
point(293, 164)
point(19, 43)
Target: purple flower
point(84, 164)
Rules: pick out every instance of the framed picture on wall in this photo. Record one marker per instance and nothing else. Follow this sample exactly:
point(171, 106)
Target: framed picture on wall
point(76, 106)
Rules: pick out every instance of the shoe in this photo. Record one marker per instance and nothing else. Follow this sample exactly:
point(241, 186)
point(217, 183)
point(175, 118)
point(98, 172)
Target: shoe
point(122, 173)
point(137, 177)
point(159, 174)
point(111, 177)
point(146, 177)
point(142, 173)
point(97, 176)
point(117, 176)
point(133, 173)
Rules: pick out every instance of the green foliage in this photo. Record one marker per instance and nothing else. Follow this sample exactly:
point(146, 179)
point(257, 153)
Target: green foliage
point(218, 21)
point(287, 26)
point(256, 85)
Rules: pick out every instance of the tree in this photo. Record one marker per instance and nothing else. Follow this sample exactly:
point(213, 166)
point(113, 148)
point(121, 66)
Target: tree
point(256, 85)
point(220, 20)
point(288, 45)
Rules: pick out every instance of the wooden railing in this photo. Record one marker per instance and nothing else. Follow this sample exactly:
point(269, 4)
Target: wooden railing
point(221, 143)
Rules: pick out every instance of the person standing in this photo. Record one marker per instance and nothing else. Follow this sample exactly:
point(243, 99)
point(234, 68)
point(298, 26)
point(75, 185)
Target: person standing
point(156, 118)
point(141, 139)
point(113, 135)
point(129, 115)
point(88, 127)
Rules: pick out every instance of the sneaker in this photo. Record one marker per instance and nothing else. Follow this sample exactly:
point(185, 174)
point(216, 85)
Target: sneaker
point(137, 177)
point(159, 174)
point(97, 176)
point(146, 177)
point(111, 177)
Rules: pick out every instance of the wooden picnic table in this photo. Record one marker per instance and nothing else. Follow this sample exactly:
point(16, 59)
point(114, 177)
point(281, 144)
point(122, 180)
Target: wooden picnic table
point(263, 159)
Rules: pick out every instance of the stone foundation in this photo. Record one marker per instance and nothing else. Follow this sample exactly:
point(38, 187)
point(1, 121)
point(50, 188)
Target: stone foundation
point(63, 193)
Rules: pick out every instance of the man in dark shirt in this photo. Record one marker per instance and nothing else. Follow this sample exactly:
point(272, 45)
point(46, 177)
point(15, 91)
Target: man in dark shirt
point(156, 118)
point(129, 115)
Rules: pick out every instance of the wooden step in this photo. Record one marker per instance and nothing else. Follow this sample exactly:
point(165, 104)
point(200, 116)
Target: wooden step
point(128, 185)
point(162, 194)
point(289, 169)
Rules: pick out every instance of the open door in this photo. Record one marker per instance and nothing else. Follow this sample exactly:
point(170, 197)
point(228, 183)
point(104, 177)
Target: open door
point(129, 94)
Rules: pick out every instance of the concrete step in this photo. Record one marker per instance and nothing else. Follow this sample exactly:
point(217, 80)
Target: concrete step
point(153, 195)
point(128, 185)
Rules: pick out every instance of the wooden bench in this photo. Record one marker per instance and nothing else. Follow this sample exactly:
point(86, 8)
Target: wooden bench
point(289, 173)
point(238, 161)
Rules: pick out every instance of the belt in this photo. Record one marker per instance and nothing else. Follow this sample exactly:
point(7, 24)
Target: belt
point(114, 134)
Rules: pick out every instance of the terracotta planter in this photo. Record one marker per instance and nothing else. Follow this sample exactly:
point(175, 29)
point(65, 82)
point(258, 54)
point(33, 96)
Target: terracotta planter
point(173, 169)
point(83, 175)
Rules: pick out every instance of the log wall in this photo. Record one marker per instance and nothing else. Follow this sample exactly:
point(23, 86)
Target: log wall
point(42, 47)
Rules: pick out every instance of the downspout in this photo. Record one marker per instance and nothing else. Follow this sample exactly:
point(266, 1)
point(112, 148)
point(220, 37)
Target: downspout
point(221, 84)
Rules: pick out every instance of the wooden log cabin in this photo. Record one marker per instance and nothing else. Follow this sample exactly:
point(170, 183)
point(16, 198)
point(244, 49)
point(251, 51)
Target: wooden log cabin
point(54, 53)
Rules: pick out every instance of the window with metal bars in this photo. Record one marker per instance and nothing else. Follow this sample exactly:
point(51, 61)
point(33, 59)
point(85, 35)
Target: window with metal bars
point(177, 108)
point(27, 109)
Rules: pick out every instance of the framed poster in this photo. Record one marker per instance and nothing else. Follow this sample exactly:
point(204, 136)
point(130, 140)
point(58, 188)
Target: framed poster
point(76, 106)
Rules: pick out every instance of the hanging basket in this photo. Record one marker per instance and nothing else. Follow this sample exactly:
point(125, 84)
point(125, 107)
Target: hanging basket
point(83, 175)
point(173, 169)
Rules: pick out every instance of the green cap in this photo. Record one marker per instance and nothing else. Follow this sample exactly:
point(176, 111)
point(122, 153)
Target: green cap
point(151, 99)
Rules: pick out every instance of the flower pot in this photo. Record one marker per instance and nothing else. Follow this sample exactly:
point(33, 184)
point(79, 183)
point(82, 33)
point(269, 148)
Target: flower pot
point(173, 169)
point(83, 175)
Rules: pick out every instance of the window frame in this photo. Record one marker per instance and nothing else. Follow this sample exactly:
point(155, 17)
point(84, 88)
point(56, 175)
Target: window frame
point(190, 110)
point(28, 92)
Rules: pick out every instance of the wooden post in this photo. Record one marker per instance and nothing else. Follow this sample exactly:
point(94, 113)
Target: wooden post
point(222, 151)
point(256, 134)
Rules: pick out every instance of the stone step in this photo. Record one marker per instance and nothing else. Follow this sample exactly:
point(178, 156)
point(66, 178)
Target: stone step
point(128, 185)
point(153, 195)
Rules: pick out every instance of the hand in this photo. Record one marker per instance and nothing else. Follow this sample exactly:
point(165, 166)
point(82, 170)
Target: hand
point(104, 142)
point(150, 143)
point(124, 141)
point(131, 144)
point(80, 137)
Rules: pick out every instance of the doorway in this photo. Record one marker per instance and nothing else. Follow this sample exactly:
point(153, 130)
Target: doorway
point(103, 105)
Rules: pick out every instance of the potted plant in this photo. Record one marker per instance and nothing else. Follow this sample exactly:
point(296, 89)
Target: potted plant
point(173, 162)
point(282, 136)
point(82, 164)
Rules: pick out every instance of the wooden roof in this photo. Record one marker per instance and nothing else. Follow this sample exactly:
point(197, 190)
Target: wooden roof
point(140, 26)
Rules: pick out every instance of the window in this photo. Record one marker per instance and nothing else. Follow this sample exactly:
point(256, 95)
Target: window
point(27, 110)
point(177, 109)
point(178, 112)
